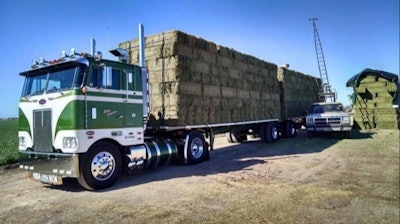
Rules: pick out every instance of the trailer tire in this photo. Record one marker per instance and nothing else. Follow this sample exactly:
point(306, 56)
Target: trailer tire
point(263, 133)
point(271, 132)
point(289, 129)
point(228, 136)
point(195, 148)
point(100, 166)
point(235, 137)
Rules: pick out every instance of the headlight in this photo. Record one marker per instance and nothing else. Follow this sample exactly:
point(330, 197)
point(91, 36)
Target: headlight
point(346, 119)
point(22, 143)
point(70, 143)
point(309, 120)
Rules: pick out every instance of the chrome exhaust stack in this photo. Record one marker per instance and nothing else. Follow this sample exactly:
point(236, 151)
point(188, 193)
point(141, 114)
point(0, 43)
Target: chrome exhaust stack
point(145, 76)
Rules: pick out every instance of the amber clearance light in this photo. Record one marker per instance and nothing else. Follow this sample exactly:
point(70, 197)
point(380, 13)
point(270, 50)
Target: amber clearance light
point(84, 90)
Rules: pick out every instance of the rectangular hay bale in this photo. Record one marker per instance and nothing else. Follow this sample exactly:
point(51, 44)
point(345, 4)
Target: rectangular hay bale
point(197, 82)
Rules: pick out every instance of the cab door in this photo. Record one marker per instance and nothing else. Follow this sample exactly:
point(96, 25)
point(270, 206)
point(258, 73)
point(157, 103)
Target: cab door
point(134, 101)
point(105, 98)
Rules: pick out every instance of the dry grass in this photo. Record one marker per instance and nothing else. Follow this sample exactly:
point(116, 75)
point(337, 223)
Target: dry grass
point(297, 180)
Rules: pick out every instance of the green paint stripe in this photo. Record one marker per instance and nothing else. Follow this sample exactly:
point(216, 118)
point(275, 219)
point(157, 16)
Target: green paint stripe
point(23, 123)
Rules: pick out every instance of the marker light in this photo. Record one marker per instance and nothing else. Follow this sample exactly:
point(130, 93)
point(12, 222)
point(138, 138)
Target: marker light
point(72, 52)
point(64, 54)
point(34, 64)
point(84, 90)
point(98, 55)
point(42, 61)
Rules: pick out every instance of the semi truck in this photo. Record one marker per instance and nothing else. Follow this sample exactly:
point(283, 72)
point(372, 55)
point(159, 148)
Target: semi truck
point(85, 117)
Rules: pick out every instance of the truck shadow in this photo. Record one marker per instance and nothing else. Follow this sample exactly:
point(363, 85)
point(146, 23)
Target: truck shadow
point(227, 159)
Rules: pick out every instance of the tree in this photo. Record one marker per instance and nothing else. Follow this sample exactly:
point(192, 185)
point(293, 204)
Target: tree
point(352, 98)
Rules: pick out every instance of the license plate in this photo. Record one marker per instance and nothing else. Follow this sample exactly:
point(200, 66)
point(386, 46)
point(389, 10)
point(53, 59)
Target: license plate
point(47, 178)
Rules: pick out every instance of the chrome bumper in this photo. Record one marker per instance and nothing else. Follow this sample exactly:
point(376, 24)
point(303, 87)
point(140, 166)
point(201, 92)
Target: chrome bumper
point(60, 164)
point(328, 128)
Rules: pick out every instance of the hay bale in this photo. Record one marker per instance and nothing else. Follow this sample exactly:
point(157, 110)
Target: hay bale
point(197, 82)
point(298, 92)
point(373, 103)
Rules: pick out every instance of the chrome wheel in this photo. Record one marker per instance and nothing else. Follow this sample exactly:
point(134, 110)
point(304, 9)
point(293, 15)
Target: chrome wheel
point(275, 133)
point(292, 131)
point(196, 148)
point(100, 166)
point(103, 166)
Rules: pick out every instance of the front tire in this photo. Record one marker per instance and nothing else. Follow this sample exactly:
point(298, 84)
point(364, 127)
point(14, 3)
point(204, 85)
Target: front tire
point(100, 166)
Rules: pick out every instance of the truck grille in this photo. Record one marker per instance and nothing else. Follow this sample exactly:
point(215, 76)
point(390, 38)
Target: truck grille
point(327, 120)
point(42, 139)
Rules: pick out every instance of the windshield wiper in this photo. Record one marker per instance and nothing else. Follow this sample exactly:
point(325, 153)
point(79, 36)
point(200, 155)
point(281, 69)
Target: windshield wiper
point(54, 89)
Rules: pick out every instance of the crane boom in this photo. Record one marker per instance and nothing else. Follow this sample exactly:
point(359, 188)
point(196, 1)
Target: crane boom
point(327, 93)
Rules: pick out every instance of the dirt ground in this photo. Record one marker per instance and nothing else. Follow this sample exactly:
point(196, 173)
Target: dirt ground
point(298, 180)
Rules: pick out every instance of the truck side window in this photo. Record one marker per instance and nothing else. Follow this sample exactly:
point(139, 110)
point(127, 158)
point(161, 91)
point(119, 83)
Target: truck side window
point(111, 78)
point(105, 77)
point(94, 77)
point(116, 79)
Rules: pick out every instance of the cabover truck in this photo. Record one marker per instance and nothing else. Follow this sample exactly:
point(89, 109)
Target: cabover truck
point(82, 116)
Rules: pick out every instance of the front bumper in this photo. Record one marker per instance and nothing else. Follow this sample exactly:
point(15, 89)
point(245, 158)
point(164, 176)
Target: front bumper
point(59, 164)
point(328, 128)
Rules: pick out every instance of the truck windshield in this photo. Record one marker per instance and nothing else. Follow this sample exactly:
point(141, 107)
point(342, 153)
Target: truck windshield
point(326, 108)
point(53, 79)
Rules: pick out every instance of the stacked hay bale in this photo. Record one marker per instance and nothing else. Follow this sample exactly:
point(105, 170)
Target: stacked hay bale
point(298, 92)
point(375, 95)
point(196, 82)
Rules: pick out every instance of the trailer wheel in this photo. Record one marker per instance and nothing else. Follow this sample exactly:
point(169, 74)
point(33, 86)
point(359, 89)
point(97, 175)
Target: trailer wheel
point(235, 137)
point(228, 136)
point(100, 166)
point(271, 132)
point(195, 149)
point(290, 129)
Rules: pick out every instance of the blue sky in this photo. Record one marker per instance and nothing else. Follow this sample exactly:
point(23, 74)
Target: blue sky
point(355, 34)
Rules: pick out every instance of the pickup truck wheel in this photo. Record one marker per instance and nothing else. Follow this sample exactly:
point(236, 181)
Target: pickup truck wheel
point(196, 148)
point(100, 166)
